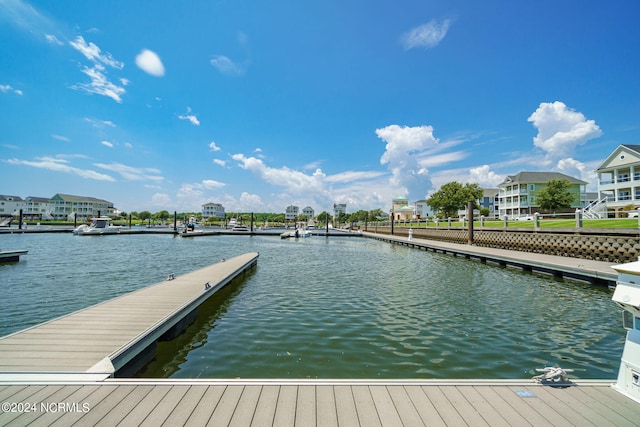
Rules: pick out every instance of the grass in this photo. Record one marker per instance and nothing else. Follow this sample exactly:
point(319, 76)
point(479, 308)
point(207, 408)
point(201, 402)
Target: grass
point(544, 223)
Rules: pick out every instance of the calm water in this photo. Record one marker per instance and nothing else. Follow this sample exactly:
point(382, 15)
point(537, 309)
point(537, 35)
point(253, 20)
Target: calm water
point(327, 308)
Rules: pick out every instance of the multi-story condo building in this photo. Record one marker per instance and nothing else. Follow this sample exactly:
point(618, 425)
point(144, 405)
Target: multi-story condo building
point(619, 178)
point(517, 193)
point(421, 210)
point(66, 205)
point(37, 208)
point(215, 210)
point(291, 213)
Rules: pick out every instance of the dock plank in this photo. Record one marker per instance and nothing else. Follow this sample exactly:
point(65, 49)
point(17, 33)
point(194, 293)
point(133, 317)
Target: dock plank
point(345, 406)
point(365, 406)
point(427, 411)
point(266, 407)
point(246, 407)
point(285, 414)
point(306, 406)
point(326, 407)
point(202, 413)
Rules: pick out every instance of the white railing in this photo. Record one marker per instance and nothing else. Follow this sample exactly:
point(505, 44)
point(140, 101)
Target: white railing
point(596, 209)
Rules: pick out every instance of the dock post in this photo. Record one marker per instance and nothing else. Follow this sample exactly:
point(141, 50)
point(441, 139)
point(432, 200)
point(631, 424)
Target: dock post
point(251, 229)
point(470, 216)
point(20, 221)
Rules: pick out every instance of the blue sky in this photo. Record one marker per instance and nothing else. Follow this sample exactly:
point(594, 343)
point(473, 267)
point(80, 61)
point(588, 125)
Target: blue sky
point(259, 104)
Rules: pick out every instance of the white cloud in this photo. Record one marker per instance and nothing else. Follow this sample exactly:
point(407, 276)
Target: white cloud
point(60, 165)
point(93, 53)
point(99, 84)
point(53, 39)
point(484, 177)
point(251, 202)
point(426, 35)
point(149, 62)
point(191, 117)
point(130, 173)
point(8, 88)
point(561, 129)
point(227, 66)
point(575, 168)
point(220, 162)
point(60, 137)
point(99, 123)
point(107, 144)
point(406, 148)
point(295, 181)
point(213, 146)
point(211, 184)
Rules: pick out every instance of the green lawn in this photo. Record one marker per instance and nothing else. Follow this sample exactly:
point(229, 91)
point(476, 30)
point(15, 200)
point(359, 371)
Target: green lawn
point(544, 223)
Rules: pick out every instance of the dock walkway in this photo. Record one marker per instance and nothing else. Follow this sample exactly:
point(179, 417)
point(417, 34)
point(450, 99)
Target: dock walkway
point(316, 403)
point(597, 272)
point(100, 340)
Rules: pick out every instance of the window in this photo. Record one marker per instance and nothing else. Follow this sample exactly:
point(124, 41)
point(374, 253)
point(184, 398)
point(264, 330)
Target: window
point(532, 187)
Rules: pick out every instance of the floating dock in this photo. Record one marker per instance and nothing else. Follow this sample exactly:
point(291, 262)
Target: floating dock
point(12, 256)
point(116, 337)
point(595, 272)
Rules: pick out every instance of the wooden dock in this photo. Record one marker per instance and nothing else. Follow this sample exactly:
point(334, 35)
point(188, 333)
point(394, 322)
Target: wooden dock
point(596, 272)
point(315, 403)
point(118, 335)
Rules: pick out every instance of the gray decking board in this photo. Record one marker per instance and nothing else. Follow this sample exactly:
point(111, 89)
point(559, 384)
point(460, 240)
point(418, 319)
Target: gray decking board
point(80, 340)
point(271, 403)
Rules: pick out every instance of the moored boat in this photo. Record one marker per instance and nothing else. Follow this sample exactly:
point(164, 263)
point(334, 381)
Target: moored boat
point(100, 225)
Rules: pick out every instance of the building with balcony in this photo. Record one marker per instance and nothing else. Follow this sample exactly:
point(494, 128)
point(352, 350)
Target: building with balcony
point(291, 213)
point(309, 212)
point(10, 205)
point(213, 210)
point(66, 206)
point(517, 193)
point(619, 179)
point(339, 208)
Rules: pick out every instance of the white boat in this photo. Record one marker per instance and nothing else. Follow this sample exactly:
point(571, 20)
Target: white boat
point(98, 226)
point(240, 227)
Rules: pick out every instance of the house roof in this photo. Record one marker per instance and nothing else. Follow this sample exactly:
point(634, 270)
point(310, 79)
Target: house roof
point(72, 198)
point(615, 153)
point(540, 177)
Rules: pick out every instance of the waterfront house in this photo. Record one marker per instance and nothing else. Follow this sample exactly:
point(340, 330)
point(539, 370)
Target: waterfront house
point(619, 179)
point(215, 210)
point(517, 193)
point(66, 206)
point(339, 208)
point(421, 210)
point(10, 205)
point(291, 213)
point(309, 212)
point(400, 209)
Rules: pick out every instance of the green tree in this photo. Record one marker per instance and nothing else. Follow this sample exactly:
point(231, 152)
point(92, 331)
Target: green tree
point(557, 194)
point(322, 217)
point(162, 215)
point(453, 196)
point(376, 213)
point(144, 215)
